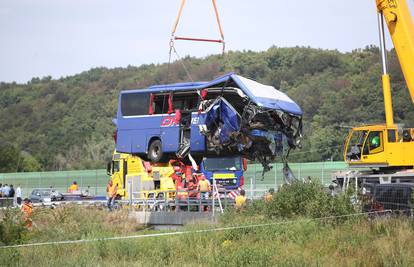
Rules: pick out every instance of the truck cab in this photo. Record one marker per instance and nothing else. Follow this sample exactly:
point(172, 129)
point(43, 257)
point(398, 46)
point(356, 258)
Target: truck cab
point(146, 180)
point(379, 146)
point(227, 171)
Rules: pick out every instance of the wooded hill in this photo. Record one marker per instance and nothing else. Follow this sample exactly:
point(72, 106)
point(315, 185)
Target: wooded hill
point(50, 124)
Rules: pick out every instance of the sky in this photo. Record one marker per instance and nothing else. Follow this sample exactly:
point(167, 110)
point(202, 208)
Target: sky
point(64, 37)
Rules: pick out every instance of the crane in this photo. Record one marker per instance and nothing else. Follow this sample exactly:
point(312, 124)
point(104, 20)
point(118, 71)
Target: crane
point(387, 149)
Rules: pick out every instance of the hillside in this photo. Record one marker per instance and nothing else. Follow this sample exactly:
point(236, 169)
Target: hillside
point(66, 123)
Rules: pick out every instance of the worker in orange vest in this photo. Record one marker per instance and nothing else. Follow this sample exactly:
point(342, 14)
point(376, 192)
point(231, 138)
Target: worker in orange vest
point(268, 197)
point(108, 186)
point(203, 188)
point(27, 209)
point(112, 193)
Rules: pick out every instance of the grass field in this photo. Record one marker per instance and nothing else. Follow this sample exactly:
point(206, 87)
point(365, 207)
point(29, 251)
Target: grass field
point(97, 179)
point(300, 242)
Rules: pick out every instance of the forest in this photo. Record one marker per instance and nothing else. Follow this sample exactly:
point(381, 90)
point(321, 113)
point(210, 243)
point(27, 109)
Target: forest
point(66, 123)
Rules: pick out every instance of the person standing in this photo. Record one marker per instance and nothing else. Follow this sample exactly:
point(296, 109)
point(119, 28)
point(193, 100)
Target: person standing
point(27, 209)
point(11, 191)
point(6, 190)
point(112, 192)
point(203, 188)
point(108, 195)
point(269, 195)
point(108, 187)
point(18, 195)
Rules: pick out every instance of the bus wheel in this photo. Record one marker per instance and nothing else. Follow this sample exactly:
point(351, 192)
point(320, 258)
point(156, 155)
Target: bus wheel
point(155, 151)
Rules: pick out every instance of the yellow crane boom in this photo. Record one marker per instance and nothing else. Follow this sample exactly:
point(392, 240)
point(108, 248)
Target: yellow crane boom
point(401, 28)
point(388, 147)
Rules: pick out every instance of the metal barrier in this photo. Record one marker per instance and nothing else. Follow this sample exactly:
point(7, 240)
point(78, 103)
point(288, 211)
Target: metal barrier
point(97, 179)
point(178, 200)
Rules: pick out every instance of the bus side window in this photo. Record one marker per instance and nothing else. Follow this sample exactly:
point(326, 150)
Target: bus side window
point(160, 104)
point(186, 102)
point(134, 104)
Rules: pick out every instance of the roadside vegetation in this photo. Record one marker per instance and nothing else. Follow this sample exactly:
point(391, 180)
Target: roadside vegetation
point(66, 123)
point(295, 236)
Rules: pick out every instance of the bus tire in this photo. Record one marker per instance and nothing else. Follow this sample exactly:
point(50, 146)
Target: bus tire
point(155, 153)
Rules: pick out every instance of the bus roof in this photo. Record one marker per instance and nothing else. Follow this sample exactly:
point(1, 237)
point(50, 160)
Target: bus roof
point(263, 95)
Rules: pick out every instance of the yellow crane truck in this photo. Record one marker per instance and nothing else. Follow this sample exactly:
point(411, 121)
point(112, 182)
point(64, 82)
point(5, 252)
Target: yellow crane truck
point(387, 150)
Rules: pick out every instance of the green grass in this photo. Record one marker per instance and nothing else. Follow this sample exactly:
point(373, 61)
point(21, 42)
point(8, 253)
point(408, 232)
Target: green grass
point(296, 238)
point(357, 242)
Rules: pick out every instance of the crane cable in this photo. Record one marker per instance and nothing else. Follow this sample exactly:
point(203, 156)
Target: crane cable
point(172, 48)
point(177, 20)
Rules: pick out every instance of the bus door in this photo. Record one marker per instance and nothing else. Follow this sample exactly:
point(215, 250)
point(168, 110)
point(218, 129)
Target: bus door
point(198, 140)
point(185, 104)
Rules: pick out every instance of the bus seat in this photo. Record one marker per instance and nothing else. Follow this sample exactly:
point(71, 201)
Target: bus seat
point(178, 115)
point(151, 109)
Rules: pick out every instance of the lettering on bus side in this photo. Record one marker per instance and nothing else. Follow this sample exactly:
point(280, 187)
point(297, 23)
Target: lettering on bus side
point(169, 122)
point(195, 120)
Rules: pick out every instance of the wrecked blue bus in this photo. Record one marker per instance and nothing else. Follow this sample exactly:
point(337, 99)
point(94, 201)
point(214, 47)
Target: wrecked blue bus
point(230, 115)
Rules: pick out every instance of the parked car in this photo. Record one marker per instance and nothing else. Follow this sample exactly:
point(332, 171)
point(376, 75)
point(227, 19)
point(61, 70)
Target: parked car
point(395, 197)
point(45, 195)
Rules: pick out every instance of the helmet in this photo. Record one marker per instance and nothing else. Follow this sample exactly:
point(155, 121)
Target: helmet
point(375, 142)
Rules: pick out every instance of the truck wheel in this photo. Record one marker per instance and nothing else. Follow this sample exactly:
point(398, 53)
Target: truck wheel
point(155, 151)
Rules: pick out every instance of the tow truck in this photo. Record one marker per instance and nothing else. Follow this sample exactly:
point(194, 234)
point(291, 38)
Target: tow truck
point(132, 174)
point(152, 180)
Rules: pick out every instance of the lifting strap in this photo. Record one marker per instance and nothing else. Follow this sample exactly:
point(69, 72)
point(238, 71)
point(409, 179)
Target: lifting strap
point(177, 20)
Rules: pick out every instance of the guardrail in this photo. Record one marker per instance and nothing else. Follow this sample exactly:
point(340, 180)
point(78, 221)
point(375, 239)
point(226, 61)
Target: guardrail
point(157, 200)
point(179, 200)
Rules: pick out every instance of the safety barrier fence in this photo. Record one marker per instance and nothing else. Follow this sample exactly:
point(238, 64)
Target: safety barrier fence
point(398, 198)
point(182, 200)
point(95, 180)
point(168, 200)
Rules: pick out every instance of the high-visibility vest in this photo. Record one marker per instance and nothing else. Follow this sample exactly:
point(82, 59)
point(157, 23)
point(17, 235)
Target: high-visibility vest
point(240, 201)
point(27, 209)
point(112, 190)
point(73, 188)
point(204, 185)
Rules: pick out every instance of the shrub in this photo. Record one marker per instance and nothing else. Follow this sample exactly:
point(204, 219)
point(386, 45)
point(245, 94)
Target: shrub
point(307, 200)
point(12, 229)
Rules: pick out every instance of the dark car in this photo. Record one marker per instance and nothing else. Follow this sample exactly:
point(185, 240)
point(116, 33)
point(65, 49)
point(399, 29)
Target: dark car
point(396, 197)
point(45, 195)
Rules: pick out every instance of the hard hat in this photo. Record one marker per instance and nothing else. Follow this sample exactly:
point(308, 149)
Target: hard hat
point(375, 141)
